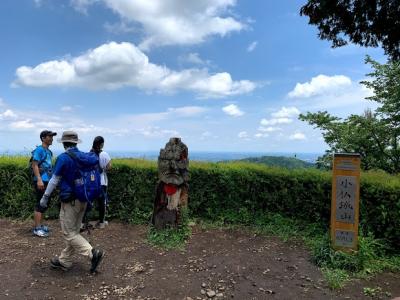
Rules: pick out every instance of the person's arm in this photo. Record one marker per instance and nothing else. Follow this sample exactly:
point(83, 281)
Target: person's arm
point(54, 181)
point(36, 172)
point(105, 161)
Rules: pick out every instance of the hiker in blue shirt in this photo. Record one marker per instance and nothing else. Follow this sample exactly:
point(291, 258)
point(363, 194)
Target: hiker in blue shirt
point(42, 167)
point(66, 173)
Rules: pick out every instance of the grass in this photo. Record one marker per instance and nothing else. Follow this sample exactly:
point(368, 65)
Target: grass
point(373, 255)
point(171, 238)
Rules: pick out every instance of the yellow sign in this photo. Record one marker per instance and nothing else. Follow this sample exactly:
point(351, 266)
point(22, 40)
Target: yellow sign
point(345, 201)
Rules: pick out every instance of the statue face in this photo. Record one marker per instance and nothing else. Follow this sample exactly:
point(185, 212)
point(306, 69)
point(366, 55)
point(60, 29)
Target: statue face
point(173, 162)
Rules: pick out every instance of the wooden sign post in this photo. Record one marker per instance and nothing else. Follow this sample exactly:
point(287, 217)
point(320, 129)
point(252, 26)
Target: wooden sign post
point(345, 201)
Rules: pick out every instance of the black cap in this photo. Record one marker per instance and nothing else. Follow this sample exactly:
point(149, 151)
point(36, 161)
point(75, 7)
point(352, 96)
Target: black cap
point(45, 133)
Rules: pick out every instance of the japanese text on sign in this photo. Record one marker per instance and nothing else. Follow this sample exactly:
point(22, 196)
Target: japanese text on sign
point(345, 198)
point(344, 238)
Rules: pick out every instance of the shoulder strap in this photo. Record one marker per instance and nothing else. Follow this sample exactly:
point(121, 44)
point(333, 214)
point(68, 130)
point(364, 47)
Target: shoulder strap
point(71, 154)
point(43, 159)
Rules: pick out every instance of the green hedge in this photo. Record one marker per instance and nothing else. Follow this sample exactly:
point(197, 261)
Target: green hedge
point(229, 192)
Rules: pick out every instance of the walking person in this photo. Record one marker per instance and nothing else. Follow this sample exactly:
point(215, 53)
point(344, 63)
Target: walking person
point(72, 209)
point(105, 165)
point(41, 162)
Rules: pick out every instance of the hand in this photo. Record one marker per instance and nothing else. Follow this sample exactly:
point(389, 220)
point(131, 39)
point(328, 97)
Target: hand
point(40, 184)
point(43, 201)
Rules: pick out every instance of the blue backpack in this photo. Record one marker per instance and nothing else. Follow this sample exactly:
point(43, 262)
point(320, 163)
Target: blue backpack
point(87, 184)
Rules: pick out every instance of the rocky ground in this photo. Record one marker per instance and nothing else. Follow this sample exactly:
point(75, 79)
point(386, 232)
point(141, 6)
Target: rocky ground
point(215, 264)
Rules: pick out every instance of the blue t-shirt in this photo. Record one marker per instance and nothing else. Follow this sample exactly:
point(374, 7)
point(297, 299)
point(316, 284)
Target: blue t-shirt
point(43, 156)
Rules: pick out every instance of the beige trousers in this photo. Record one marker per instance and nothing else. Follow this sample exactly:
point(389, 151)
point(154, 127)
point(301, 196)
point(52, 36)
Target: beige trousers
point(71, 215)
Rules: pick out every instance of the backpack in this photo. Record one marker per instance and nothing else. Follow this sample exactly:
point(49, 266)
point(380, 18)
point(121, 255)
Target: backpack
point(86, 185)
point(40, 162)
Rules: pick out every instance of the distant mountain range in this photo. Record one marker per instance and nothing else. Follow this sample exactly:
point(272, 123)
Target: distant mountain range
point(290, 160)
point(279, 161)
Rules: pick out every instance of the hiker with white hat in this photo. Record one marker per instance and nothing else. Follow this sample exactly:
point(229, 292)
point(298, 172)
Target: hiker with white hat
point(65, 172)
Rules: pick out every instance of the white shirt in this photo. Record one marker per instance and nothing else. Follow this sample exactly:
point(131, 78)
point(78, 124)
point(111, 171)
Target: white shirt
point(104, 159)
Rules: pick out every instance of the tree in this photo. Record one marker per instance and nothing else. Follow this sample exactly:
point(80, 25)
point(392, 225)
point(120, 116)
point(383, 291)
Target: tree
point(366, 23)
point(375, 135)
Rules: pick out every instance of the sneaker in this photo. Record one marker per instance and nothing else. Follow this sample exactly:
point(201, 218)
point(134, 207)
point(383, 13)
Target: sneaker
point(96, 259)
point(86, 226)
point(38, 231)
point(45, 228)
point(55, 264)
point(101, 225)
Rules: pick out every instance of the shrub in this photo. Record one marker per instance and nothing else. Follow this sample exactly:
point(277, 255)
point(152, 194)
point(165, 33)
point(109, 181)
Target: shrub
point(218, 191)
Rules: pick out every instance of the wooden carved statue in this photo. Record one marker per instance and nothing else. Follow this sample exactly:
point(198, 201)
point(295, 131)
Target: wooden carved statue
point(172, 188)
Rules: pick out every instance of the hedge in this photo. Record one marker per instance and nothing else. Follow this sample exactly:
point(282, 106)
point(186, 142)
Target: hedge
point(224, 191)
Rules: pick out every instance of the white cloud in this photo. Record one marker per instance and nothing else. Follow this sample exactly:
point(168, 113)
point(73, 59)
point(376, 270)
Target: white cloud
point(119, 28)
point(269, 129)
point(115, 65)
point(193, 58)
point(82, 5)
point(66, 108)
point(345, 102)
point(261, 135)
point(207, 135)
point(232, 110)
point(23, 124)
point(48, 124)
point(252, 46)
point(286, 112)
point(275, 121)
point(186, 111)
point(157, 132)
point(8, 114)
point(38, 3)
point(162, 22)
point(281, 117)
point(243, 135)
point(320, 85)
point(297, 136)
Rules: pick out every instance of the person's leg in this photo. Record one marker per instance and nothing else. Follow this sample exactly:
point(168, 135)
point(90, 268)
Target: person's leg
point(71, 215)
point(37, 217)
point(39, 229)
point(102, 205)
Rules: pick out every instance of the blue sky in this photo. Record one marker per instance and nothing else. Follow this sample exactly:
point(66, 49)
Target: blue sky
point(223, 75)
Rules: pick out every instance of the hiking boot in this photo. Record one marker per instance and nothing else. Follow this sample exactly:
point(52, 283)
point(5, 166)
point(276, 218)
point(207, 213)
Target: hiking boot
point(96, 259)
point(38, 231)
point(55, 264)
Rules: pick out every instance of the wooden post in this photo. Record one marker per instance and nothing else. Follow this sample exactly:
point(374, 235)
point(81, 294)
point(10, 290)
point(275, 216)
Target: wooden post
point(345, 201)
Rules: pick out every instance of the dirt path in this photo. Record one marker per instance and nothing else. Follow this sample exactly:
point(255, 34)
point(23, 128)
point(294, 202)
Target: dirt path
point(218, 264)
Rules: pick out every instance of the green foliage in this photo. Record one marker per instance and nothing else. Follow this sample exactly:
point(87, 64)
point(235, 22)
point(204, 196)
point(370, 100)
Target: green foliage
point(336, 278)
point(281, 202)
point(365, 23)
point(228, 193)
point(279, 161)
point(375, 135)
point(171, 238)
